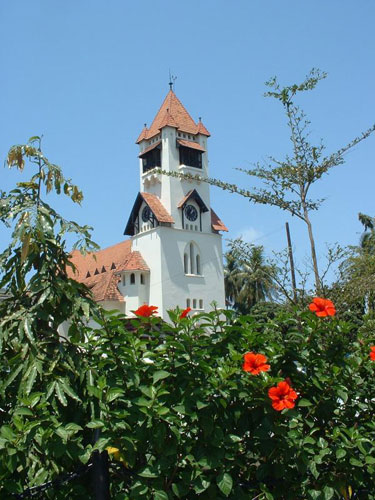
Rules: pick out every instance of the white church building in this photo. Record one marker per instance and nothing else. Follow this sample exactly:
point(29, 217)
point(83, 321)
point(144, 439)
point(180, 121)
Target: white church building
point(173, 256)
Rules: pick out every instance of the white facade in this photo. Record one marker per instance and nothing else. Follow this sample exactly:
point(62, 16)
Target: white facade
point(184, 257)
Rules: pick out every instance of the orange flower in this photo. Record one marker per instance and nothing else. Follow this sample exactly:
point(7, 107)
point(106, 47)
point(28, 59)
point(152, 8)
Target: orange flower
point(255, 363)
point(185, 312)
point(372, 353)
point(146, 311)
point(283, 396)
point(322, 307)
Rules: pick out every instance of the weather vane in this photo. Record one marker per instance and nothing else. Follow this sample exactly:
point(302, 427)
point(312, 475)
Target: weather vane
point(172, 79)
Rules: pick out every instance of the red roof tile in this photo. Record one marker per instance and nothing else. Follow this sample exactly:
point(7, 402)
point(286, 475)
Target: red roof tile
point(115, 254)
point(103, 284)
point(168, 120)
point(135, 263)
point(173, 114)
point(191, 144)
point(104, 287)
point(157, 208)
point(142, 135)
point(216, 223)
point(201, 129)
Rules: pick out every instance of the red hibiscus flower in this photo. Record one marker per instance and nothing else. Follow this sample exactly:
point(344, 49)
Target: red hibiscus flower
point(146, 311)
point(372, 353)
point(255, 363)
point(322, 307)
point(185, 312)
point(283, 396)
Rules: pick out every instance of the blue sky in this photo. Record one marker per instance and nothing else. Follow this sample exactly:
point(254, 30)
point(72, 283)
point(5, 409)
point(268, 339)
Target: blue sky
point(88, 74)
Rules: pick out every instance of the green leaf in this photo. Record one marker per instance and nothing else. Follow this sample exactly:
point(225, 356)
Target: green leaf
point(73, 427)
point(7, 433)
point(24, 411)
point(304, 402)
point(68, 390)
point(356, 462)
point(95, 424)
point(340, 453)
point(160, 495)
point(114, 393)
point(225, 483)
point(148, 472)
point(11, 377)
point(328, 492)
point(314, 470)
point(60, 394)
point(31, 379)
point(370, 460)
point(27, 329)
point(160, 375)
point(343, 395)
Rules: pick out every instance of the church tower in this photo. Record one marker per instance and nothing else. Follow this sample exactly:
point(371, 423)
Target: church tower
point(174, 254)
point(172, 224)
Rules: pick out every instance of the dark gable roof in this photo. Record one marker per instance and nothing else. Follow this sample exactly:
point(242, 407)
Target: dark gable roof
point(155, 206)
point(193, 195)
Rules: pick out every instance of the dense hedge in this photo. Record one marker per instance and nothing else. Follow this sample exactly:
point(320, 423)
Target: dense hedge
point(182, 418)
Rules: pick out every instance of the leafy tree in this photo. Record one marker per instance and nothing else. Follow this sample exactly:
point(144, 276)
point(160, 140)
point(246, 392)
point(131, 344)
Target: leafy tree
point(249, 279)
point(44, 378)
point(367, 242)
point(355, 288)
point(287, 182)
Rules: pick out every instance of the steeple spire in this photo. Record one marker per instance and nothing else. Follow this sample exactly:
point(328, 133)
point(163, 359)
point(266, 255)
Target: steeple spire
point(172, 79)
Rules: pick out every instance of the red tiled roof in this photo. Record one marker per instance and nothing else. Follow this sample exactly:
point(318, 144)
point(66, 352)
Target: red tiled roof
point(216, 223)
point(104, 287)
point(99, 271)
point(135, 263)
point(167, 120)
point(202, 129)
point(142, 135)
point(191, 144)
point(150, 148)
point(157, 208)
point(115, 254)
point(173, 114)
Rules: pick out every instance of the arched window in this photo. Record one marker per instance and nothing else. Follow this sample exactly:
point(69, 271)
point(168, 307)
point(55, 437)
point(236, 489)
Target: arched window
point(132, 279)
point(191, 258)
point(187, 302)
point(142, 279)
point(123, 280)
point(198, 263)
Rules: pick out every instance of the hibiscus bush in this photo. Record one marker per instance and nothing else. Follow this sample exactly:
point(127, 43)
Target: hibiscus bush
point(214, 406)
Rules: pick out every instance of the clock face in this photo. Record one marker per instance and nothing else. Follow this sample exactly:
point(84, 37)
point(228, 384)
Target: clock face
point(146, 214)
point(191, 212)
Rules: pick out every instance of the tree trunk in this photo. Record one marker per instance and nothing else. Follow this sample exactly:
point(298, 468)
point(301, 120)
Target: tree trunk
point(313, 252)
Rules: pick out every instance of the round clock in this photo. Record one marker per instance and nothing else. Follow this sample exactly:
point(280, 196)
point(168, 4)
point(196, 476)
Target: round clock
point(146, 214)
point(191, 212)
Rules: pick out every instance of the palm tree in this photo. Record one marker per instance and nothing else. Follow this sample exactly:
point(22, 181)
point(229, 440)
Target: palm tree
point(248, 278)
point(367, 241)
point(231, 277)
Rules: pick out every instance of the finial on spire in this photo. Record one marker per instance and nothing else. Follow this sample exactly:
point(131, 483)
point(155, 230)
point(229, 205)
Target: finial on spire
point(200, 118)
point(172, 79)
